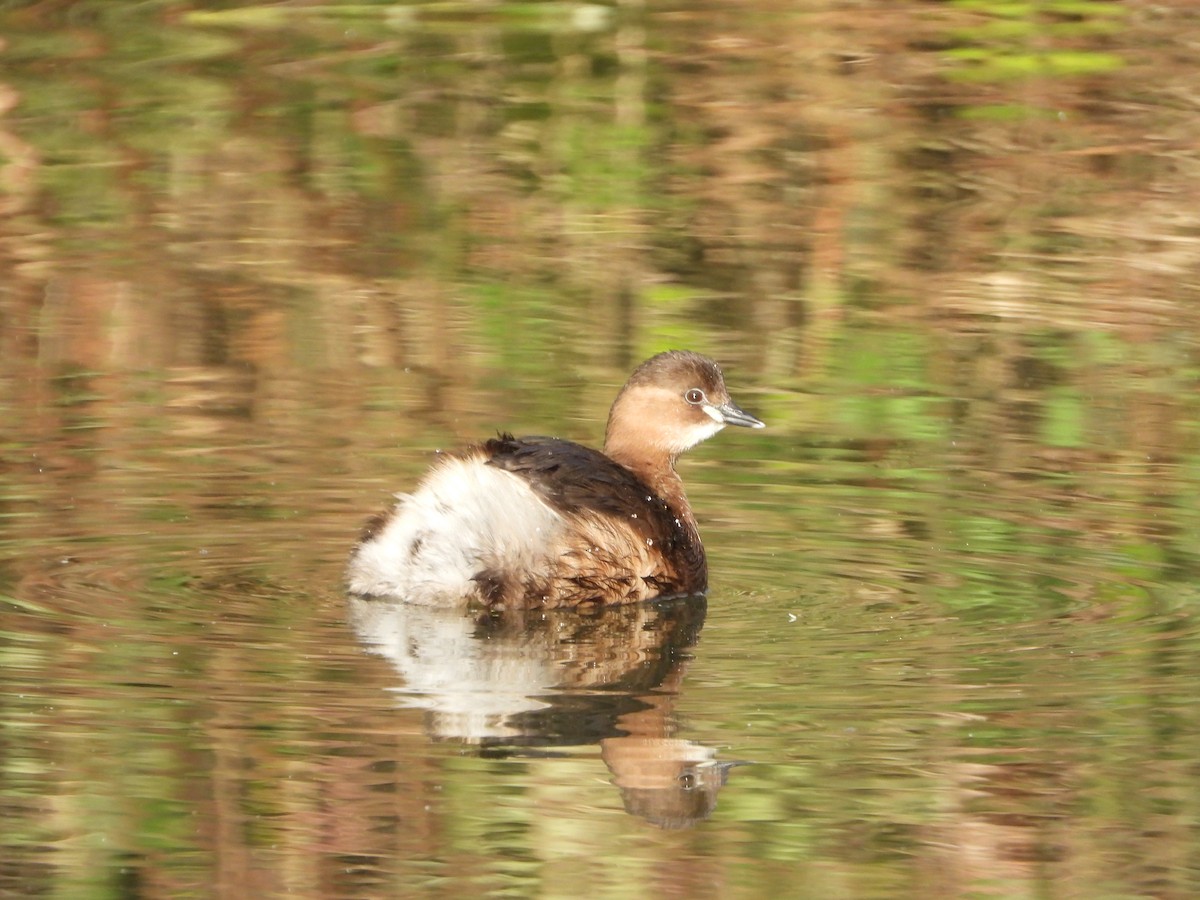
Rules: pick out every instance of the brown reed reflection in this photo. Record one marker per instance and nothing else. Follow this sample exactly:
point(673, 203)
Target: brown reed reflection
point(1003, 822)
point(535, 683)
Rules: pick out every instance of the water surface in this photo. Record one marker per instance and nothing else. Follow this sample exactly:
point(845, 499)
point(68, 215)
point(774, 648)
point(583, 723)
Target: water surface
point(258, 263)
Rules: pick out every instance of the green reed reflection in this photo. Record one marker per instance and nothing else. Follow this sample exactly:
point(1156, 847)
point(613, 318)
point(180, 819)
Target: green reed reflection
point(259, 261)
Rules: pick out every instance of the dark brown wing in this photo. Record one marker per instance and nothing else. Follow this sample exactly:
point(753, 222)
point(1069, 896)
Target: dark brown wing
point(575, 480)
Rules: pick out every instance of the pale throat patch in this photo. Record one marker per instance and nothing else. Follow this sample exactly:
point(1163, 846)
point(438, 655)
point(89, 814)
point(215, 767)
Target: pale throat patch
point(700, 432)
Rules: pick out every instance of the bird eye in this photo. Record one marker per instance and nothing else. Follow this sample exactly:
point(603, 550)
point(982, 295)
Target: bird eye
point(695, 396)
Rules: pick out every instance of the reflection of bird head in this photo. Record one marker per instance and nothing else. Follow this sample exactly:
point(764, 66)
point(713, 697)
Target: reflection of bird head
point(692, 799)
point(668, 782)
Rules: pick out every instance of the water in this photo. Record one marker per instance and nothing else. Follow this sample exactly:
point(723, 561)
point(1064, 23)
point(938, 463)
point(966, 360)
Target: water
point(260, 262)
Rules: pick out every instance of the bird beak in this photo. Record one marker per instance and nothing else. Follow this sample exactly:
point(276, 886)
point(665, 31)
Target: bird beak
point(732, 414)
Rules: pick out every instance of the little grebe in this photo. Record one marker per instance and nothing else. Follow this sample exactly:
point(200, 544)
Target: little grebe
point(538, 521)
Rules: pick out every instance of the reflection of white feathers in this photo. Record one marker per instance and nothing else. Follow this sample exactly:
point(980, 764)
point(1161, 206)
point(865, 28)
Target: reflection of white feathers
point(464, 517)
point(471, 687)
point(487, 681)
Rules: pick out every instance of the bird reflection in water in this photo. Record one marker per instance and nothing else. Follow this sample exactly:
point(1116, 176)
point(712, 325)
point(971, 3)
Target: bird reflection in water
point(528, 682)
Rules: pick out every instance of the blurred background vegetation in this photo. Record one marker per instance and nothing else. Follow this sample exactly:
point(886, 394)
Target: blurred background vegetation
point(256, 260)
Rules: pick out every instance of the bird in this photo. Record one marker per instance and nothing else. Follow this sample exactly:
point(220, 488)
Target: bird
point(541, 522)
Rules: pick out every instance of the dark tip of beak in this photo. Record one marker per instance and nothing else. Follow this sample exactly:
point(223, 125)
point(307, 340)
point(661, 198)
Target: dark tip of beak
point(735, 415)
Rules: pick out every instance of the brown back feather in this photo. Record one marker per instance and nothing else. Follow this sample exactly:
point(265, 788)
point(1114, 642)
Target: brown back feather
point(582, 483)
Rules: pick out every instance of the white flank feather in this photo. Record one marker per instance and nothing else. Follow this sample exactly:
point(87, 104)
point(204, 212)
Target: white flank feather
point(465, 516)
